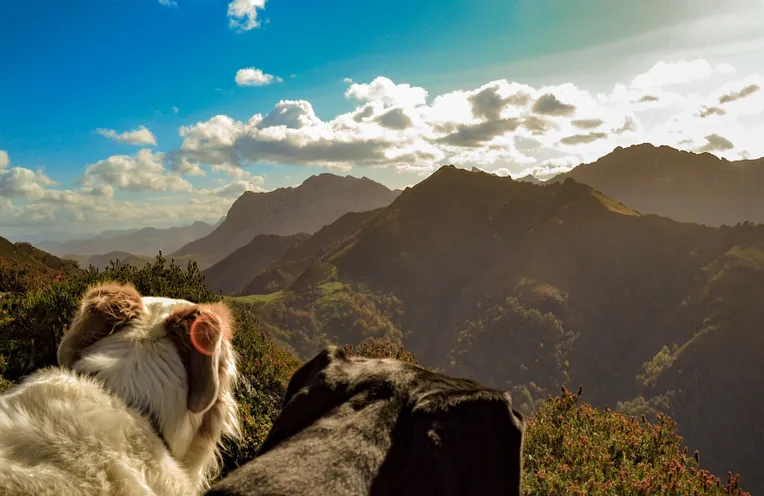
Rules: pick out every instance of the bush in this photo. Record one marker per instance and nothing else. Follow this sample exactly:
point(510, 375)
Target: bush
point(264, 371)
point(381, 348)
point(574, 449)
point(33, 322)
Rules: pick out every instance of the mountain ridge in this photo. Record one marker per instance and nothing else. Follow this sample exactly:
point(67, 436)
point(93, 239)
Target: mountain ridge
point(682, 185)
point(318, 201)
point(530, 288)
point(146, 241)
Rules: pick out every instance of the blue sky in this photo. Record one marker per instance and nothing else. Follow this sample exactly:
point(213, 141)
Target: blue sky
point(75, 76)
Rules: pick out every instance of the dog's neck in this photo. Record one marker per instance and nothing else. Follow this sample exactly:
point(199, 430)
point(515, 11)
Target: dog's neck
point(147, 385)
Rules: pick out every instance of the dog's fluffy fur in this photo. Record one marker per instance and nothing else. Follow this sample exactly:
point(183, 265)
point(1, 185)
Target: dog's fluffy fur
point(133, 408)
point(358, 426)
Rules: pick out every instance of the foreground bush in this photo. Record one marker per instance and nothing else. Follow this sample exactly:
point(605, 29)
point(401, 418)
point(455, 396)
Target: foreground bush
point(264, 370)
point(32, 322)
point(574, 449)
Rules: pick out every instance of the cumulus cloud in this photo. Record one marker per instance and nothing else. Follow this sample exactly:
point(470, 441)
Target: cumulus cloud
point(4, 160)
point(234, 189)
point(679, 72)
point(292, 114)
point(19, 182)
point(144, 171)
point(578, 139)
point(587, 123)
point(736, 95)
point(500, 124)
point(242, 14)
point(628, 125)
point(255, 77)
point(548, 104)
point(94, 204)
point(388, 93)
point(491, 100)
point(395, 119)
point(140, 136)
point(714, 142)
point(477, 134)
point(706, 111)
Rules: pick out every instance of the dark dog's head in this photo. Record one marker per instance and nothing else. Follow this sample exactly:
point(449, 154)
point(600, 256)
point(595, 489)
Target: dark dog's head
point(381, 426)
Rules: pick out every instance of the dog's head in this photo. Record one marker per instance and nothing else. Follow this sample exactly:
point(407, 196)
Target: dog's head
point(412, 430)
point(171, 359)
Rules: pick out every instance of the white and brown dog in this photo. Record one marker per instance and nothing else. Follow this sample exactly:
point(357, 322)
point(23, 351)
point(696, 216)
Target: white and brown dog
point(141, 399)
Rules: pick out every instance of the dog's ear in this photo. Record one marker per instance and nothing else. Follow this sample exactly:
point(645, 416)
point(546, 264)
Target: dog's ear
point(308, 396)
point(198, 332)
point(105, 308)
point(470, 442)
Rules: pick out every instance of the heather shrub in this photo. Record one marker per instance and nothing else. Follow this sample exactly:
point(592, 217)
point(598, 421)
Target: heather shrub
point(574, 449)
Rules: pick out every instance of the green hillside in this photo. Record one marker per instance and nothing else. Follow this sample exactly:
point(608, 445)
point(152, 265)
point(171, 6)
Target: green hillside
point(570, 447)
point(530, 288)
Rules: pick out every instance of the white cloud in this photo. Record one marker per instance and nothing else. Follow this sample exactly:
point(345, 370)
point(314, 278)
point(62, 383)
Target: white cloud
point(499, 125)
point(140, 136)
point(504, 127)
point(175, 110)
point(4, 160)
point(235, 188)
point(242, 14)
point(19, 182)
point(678, 73)
point(144, 171)
point(388, 93)
point(168, 3)
point(255, 77)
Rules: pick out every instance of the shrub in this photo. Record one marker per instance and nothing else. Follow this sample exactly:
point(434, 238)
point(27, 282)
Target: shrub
point(264, 370)
point(381, 348)
point(574, 449)
point(32, 322)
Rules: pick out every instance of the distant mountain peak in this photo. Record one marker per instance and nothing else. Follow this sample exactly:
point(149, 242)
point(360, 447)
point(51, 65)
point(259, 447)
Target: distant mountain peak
point(318, 201)
point(679, 184)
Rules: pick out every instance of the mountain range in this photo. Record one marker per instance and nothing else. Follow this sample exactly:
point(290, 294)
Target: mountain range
point(318, 201)
point(529, 288)
point(146, 241)
point(636, 276)
point(684, 186)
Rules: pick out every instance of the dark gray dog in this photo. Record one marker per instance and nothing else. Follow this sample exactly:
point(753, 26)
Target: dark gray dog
point(358, 426)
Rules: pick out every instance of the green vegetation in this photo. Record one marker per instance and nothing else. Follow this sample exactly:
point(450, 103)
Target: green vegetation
point(327, 312)
point(574, 449)
point(571, 448)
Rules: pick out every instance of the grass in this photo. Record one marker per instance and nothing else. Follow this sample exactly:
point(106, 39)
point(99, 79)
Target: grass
point(751, 257)
point(613, 205)
point(259, 301)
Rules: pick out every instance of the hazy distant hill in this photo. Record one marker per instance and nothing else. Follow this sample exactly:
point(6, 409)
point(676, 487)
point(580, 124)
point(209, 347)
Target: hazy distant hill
point(231, 274)
point(684, 186)
point(103, 261)
point(529, 288)
point(145, 241)
point(318, 201)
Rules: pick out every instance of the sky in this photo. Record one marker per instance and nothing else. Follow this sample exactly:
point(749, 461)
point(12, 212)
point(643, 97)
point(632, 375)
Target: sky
point(129, 113)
